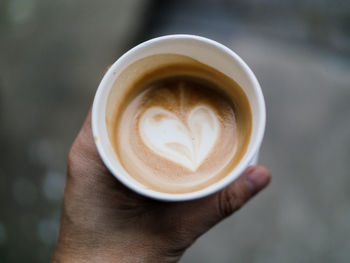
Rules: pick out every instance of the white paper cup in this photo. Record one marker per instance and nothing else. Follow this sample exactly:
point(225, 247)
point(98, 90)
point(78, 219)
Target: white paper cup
point(207, 52)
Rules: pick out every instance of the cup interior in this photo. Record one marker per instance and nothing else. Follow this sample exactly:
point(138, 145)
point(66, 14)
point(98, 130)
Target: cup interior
point(205, 51)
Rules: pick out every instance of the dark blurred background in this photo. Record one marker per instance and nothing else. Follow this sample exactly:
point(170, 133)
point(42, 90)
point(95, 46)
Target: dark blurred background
point(53, 55)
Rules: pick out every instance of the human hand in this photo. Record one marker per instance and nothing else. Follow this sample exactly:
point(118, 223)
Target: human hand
point(103, 221)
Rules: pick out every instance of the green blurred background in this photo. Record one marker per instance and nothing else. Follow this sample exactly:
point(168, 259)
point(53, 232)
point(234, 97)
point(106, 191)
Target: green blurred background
point(53, 55)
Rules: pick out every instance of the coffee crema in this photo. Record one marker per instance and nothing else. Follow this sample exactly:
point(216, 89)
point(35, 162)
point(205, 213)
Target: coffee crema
point(180, 126)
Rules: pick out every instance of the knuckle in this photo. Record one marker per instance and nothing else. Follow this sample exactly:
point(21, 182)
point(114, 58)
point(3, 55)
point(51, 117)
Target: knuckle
point(229, 202)
point(225, 203)
point(71, 156)
point(73, 162)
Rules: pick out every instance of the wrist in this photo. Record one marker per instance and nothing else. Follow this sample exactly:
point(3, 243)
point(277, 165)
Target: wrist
point(111, 255)
point(109, 249)
point(116, 255)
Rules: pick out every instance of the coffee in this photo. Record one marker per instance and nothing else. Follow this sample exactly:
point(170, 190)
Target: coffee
point(180, 126)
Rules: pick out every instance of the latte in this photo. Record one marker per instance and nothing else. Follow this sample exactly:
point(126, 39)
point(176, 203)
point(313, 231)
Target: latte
point(180, 126)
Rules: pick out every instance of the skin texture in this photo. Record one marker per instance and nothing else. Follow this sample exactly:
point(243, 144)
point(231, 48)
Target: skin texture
point(103, 221)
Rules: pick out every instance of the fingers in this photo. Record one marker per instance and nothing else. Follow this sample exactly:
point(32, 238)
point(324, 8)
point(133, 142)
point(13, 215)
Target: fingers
point(83, 158)
point(85, 130)
point(84, 143)
point(107, 68)
point(230, 199)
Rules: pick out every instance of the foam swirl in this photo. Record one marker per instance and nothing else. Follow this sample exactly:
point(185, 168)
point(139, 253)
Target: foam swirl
point(187, 144)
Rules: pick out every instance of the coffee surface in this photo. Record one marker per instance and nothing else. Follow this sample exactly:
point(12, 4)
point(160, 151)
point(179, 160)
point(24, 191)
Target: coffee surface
point(181, 127)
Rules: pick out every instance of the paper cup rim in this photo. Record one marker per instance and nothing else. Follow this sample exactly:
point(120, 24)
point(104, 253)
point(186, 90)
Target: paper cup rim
point(213, 188)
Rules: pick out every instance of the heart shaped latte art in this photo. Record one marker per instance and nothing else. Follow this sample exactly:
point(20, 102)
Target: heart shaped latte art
point(187, 144)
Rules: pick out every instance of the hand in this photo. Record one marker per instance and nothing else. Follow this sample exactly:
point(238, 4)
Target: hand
point(103, 221)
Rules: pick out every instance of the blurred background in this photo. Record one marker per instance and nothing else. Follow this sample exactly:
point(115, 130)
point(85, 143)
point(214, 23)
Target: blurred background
point(52, 58)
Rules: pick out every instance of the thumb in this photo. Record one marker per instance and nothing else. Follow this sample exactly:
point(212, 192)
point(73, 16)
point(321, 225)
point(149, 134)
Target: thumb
point(233, 197)
point(207, 212)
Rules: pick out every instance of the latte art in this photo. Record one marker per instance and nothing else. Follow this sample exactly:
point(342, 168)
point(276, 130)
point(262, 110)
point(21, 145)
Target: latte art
point(181, 127)
point(186, 144)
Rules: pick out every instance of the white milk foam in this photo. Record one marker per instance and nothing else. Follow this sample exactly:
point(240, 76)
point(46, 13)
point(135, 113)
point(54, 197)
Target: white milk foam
point(187, 144)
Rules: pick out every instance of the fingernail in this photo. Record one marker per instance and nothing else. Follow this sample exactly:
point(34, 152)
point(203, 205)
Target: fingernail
point(257, 179)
